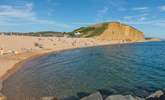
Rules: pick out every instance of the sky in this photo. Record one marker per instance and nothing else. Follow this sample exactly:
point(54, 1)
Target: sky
point(67, 15)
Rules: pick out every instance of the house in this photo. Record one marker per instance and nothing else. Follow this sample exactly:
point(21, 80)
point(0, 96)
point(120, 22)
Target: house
point(77, 33)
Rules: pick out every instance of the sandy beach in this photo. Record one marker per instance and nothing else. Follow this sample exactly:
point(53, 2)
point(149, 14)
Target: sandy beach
point(18, 48)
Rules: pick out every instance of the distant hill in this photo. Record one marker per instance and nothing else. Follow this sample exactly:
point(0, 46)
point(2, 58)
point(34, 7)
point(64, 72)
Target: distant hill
point(113, 31)
point(46, 34)
point(43, 33)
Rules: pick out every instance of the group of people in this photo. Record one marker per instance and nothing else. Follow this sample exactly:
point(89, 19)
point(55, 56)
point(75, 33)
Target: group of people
point(2, 51)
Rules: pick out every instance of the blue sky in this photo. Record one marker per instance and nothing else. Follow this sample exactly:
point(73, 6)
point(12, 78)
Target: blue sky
point(66, 15)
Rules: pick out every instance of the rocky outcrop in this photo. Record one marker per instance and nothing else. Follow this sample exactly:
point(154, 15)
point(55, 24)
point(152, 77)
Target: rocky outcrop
point(95, 96)
point(158, 95)
point(121, 97)
point(49, 98)
point(121, 32)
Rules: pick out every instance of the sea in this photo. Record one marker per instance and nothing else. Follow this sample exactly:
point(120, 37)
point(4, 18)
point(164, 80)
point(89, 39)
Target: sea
point(129, 69)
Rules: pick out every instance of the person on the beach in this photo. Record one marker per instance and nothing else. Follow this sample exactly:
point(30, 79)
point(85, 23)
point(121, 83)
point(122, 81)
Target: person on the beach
point(1, 51)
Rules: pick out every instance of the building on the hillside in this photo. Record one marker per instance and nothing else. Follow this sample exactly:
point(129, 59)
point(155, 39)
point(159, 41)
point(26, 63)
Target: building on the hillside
point(77, 33)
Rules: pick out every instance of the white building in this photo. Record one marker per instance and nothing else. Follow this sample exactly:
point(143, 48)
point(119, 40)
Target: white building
point(77, 33)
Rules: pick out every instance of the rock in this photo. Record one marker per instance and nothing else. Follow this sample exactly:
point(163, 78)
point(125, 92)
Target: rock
point(121, 97)
point(95, 96)
point(138, 98)
point(162, 97)
point(157, 94)
point(70, 98)
point(49, 98)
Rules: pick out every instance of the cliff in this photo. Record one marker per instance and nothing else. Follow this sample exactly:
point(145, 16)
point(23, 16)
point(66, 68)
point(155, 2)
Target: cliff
point(112, 31)
point(121, 32)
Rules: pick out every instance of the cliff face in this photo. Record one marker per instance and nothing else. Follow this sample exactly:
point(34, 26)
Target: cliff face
point(121, 32)
point(113, 31)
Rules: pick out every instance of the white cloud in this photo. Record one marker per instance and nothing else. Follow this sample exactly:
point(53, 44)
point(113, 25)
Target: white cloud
point(127, 17)
point(118, 5)
point(142, 18)
point(49, 23)
point(12, 11)
point(101, 13)
point(17, 15)
point(29, 6)
point(104, 10)
point(160, 23)
point(138, 17)
point(162, 8)
point(140, 8)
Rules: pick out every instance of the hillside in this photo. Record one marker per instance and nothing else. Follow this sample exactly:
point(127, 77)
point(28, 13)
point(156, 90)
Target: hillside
point(113, 31)
point(42, 33)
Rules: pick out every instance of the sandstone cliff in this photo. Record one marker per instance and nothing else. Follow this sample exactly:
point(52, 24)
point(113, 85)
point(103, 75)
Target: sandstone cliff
point(121, 32)
point(113, 31)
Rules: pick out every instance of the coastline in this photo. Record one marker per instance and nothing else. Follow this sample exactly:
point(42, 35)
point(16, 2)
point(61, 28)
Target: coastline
point(37, 54)
point(23, 57)
point(157, 94)
point(33, 55)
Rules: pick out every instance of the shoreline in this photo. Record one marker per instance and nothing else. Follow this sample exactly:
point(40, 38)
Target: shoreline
point(34, 55)
point(23, 57)
point(154, 94)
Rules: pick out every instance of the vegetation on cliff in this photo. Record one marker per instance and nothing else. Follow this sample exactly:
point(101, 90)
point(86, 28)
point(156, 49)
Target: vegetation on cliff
point(90, 31)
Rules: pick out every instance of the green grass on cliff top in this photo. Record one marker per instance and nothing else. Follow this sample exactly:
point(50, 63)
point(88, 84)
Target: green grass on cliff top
point(91, 31)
